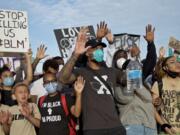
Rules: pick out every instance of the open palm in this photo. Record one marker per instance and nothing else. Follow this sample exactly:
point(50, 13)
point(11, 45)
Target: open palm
point(79, 85)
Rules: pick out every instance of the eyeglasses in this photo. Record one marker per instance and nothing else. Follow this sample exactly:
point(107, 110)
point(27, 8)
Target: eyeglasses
point(49, 81)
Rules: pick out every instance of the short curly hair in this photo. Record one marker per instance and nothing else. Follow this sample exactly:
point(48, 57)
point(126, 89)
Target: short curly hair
point(50, 63)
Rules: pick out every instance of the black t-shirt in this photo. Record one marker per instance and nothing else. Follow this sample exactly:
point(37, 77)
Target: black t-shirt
point(53, 118)
point(98, 107)
point(6, 97)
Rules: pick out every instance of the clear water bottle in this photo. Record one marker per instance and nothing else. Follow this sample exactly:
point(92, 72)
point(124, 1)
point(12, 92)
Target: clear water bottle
point(134, 76)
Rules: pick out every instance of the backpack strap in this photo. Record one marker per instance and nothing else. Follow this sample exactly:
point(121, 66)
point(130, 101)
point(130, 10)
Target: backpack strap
point(64, 104)
point(63, 100)
point(107, 86)
point(41, 100)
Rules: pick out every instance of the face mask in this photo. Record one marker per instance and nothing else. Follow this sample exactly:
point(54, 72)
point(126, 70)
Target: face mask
point(8, 81)
point(51, 87)
point(120, 62)
point(171, 74)
point(98, 55)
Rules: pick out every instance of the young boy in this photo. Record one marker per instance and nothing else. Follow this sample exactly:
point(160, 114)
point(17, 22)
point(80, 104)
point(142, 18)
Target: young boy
point(53, 117)
point(3, 118)
point(24, 115)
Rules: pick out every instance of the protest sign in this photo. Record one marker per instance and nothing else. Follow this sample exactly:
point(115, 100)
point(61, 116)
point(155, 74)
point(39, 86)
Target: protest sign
point(174, 48)
point(13, 31)
point(14, 62)
point(66, 38)
point(122, 41)
point(174, 43)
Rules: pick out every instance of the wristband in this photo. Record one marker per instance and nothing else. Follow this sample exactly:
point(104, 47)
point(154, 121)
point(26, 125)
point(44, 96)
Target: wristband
point(164, 126)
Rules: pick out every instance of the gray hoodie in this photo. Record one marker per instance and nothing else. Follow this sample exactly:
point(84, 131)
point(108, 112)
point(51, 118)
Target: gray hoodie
point(135, 109)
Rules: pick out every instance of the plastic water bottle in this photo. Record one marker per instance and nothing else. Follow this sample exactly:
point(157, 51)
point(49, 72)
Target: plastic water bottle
point(134, 76)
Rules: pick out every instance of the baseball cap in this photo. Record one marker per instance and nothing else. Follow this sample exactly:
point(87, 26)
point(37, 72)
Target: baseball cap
point(94, 43)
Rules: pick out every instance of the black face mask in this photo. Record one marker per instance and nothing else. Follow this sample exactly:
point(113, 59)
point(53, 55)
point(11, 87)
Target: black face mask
point(171, 74)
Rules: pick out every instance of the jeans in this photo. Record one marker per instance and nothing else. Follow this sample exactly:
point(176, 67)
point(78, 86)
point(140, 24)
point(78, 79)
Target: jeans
point(113, 131)
point(139, 130)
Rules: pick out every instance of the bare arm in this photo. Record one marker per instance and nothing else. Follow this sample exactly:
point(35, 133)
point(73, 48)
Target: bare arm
point(66, 75)
point(34, 121)
point(39, 56)
point(29, 115)
point(29, 68)
point(6, 128)
point(4, 118)
point(78, 86)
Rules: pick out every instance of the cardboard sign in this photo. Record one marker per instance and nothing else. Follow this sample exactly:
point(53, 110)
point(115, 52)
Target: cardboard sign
point(66, 39)
point(13, 31)
point(126, 41)
point(174, 43)
point(121, 41)
point(15, 62)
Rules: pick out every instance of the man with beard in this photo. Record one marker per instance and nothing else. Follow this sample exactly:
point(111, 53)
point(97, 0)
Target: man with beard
point(99, 115)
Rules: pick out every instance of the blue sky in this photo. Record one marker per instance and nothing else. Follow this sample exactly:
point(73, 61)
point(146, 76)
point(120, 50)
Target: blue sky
point(130, 16)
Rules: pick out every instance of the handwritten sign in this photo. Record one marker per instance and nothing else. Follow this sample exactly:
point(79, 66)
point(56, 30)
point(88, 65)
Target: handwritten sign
point(174, 43)
point(13, 31)
point(66, 39)
point(121, 41)
point(15, 62)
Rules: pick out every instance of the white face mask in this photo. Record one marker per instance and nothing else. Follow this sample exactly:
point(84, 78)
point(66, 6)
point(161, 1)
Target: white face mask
point(120, 62)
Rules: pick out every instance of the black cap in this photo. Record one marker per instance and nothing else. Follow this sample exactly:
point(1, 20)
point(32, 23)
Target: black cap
point(94, 43)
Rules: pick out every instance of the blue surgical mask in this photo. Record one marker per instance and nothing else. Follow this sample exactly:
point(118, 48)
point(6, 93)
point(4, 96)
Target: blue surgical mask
point(8, 81)
point(51, 87)
point(98, 55)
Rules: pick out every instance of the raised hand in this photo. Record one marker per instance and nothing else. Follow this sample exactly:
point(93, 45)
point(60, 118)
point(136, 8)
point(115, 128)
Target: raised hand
point(109, 37)
point(149, 37)
point(81, 41)
point(135, 51)
point(41, 52)
point(79, 85)
point(102, 30)
point(25, 111)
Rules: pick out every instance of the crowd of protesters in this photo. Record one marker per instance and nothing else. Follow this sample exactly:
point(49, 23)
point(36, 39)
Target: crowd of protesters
point(86, 97)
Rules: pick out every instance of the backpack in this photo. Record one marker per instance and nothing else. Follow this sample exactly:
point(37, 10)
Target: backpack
point(71, 122)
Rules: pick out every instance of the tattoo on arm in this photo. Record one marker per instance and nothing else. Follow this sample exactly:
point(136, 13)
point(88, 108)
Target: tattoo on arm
point(66, 75)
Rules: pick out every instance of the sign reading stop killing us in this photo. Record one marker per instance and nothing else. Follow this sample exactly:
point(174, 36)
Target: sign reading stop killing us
point(13, 31)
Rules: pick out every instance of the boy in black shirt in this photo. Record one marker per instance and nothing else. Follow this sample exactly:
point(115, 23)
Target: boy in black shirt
point(53, 118)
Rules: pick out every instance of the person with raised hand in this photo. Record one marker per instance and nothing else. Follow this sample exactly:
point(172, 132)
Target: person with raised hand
point(8, 80)
point(100, 82)
point(58, 108)
point(102, 30)
point(41, 54)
